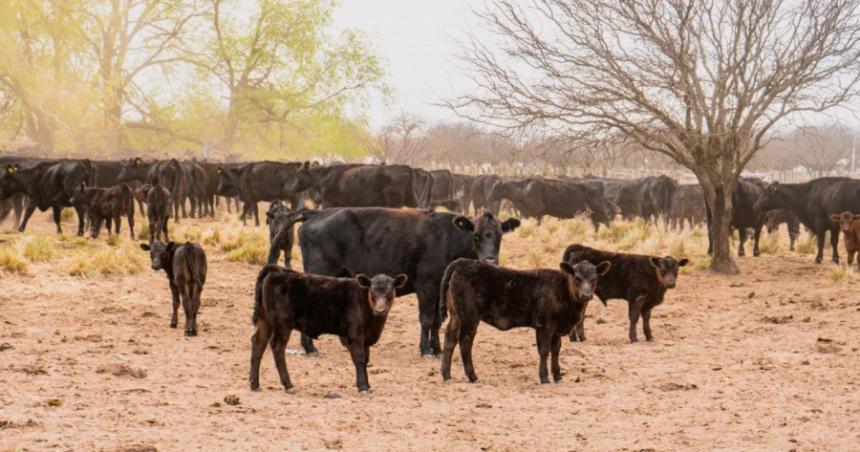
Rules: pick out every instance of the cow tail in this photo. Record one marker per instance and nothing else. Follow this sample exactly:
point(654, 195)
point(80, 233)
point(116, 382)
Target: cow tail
point(128, 197)
point(281, 235)
point(443, 289)
point(258, 291)
point(191, 261)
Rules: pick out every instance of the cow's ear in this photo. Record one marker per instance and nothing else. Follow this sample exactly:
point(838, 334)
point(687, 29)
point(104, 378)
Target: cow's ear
point(144, 246)
point(137, 161)
point(510, 224)
point(400, 280)
point(835, 217)
point(603, 267)
point(654, 261)
point(683, 262)
point(171, 247)
point(363, 281)
point(464, 223)
point(565, 267)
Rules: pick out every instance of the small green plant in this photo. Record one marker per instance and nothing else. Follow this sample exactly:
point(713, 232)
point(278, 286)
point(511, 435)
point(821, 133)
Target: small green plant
point(703, 264)
point(38, 248)
point(82, 266)
point(770, 244)
point(214, 238)
point(67, 214)
point(11, 260)
point(249, 254)
point(806, 246)
point(113, 240)
point(836, 274)
point(143, 231)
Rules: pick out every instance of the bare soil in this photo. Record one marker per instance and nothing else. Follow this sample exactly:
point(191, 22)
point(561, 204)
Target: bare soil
point(767, 360)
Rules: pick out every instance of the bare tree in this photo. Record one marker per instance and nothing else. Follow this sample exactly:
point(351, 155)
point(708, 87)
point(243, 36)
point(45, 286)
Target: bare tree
point(402, 141)
point(702, 82)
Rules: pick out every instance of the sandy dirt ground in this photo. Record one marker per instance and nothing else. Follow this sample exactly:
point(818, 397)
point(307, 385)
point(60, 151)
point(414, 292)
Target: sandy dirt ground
point(767, 360)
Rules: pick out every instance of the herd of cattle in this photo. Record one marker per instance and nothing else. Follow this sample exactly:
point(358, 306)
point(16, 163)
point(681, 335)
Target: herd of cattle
point(360, 248)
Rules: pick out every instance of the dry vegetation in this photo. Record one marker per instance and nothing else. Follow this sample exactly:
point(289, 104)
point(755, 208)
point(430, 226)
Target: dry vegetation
point(765, 360)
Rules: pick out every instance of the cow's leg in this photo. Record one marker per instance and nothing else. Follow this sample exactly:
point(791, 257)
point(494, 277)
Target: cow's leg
point(82, 213)
point(256, 211)
point(194, 299)
point(820, 242)
point(174, 292)
point(634, 308)
point(452, 332)
point(28, 212)
point(57, 214)
point(130, 218)
point(164, 228)
point(428, 311)
point(556, 349)
point(152, 227)
point(792, 237)
point(108, 224)
point(186, 293)
point(646, 324)
point(358, 351)
point(578, 333)
point(834, 242)
point(117, 222)
point(279, 350)
point(756, 237)
point(308, 346)
point(544, 345)
point(259, 340)
point(465, 338)
point(742, 240)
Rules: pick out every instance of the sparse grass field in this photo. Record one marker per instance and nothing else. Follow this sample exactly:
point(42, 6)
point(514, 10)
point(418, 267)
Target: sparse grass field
point(766, 360)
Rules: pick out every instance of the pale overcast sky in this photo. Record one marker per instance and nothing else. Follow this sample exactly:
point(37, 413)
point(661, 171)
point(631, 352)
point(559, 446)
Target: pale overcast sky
point(418, 39)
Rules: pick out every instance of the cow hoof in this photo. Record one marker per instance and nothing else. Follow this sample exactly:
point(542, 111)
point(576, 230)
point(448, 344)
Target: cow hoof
point(428, 356)
point(190, 333)
point(255, 387)
point(633, 340)
point(173, 325)
point(290, 390)
point(364, 391)
point(544, 381)
point(556, 378)
point(313, 354)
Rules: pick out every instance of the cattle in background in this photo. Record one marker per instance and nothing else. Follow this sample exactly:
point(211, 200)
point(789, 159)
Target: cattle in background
point(479, 191)
point(641, 280)
point(550, 301)
point(168, 173)
point(536, 197)
point(185, 266)
point(814, 202)
point(195, 181)
point(774, 218)
point(280, 222)
point(259, 181)
point(418, 243)
point(158, 201)
point(849, 224)
point(463, 191)
point(107, 205)
point(744, 216)
point(47, 184)
point(357, 185)
point(688, 205)
point(647, 198)
point(443, 185)
point(353, 308)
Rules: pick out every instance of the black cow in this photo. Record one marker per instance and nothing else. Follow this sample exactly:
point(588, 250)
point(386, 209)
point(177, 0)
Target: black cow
point(158, 201)
point(688, 205)
point(814, 202)
point(280, 223)
point(536, 197)
point(641, 280)
point(185, 266)
point(168, 173)
point(479, 191)
point(259, 181)
point(550, 301)
point(744, 216)
point(463, 191)
point(195, 183)
point(355, 185)
point(774, 218)
point(391, 241)
point(107, 205)
point(48, 184)
point(353, 308)
point(648, 198)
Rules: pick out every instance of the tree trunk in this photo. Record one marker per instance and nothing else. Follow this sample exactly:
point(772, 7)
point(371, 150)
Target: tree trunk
point(113, 120)
point(718, 199)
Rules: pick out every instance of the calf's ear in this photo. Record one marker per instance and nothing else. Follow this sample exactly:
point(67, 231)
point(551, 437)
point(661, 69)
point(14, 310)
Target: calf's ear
point(400, 280)
point(834, 217)
point(144, 246)
point(171, 246)
point(654, 261)
point(345, 273)
point(510, 224)
point(464, 223)
point(565, 267)
point(603, 267)
point(363, 281)
point(683, 262)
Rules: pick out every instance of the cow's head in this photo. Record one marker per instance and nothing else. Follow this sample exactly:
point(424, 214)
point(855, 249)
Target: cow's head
point(10, 180)
point(774, 197)
point(499, 191)
point(141, 192)
point(845, 220)
point(132, 169)
point(160, 253)
point(80, 196)
point(380, 291)
point(582, 278)
point(667, 269)
point(228, 184)
point(487, 234)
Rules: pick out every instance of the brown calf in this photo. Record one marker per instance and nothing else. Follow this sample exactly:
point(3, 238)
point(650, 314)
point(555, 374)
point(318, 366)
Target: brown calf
point(849, 224)
point(185, 266)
